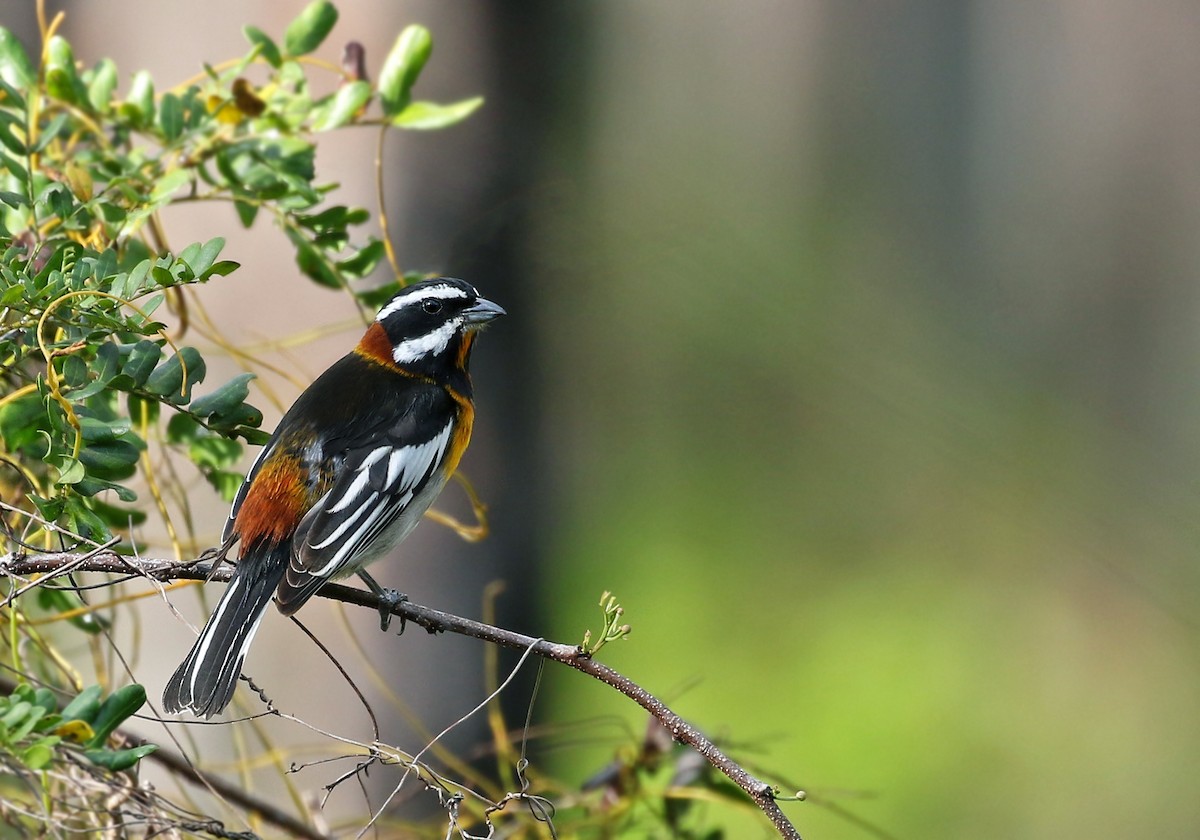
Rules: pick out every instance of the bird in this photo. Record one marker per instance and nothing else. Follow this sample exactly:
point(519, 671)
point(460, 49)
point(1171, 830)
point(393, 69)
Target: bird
point(349, 471)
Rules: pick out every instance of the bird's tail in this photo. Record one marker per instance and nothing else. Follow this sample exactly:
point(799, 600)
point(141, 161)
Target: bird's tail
point(203, 684)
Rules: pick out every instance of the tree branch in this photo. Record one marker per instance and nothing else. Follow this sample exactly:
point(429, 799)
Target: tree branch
point(435, 621)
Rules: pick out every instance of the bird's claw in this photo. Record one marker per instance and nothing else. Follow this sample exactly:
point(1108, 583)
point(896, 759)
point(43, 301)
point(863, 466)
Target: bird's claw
point(389, 599)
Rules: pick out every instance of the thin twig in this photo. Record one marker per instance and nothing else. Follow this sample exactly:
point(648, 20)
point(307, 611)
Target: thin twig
point(436, 621)
point(181, 767)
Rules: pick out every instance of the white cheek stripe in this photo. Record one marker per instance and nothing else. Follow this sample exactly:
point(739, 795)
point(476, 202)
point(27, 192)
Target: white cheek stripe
point(430, 344)
point(440, 292)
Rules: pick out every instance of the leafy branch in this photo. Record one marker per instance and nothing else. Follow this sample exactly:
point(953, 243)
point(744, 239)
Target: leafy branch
point(435, 621)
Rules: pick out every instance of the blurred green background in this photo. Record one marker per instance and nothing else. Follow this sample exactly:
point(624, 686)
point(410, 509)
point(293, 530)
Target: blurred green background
point(854, 347)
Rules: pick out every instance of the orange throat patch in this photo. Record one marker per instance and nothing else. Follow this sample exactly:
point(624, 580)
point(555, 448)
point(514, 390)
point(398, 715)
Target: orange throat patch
point(375, 346)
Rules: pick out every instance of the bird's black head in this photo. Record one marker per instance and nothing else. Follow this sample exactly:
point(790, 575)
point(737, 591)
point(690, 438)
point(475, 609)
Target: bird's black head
point(430, 325)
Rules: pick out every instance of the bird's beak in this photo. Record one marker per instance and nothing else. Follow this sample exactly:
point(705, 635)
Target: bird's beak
point(482, 311)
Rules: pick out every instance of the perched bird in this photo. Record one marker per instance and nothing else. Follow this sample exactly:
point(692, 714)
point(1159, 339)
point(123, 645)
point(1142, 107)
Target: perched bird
point(350, 470)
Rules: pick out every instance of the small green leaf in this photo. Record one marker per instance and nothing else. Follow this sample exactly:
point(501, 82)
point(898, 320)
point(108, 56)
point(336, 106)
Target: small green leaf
point(232, 421)
point(309, 29)
point(207, 255)
point(15, 68)
point(40, 753)
point(139, 103)
point(84, 706)
point(225, 399)
point(214, 452)
point(427, 116)
point(70, 470)
point(104, 82)
point(170, 116)
point(246, 212)
point(115, 709)
point(28, 721)
point(226, 483)
point(183, 428)
point(118, 760)
point(168, 379)
point(96, 430)
point(266, 47)
point(74, 371)
point(113, 460)
point(16, 713)
point(402, 67)
point(314, 265)
point(343, 106)
point(62, 80)
point(221, 269)
point(10, 140)
point(168, 184)
point(117, 517)
point(143, 357)
point(90, 486)
point(363, 262)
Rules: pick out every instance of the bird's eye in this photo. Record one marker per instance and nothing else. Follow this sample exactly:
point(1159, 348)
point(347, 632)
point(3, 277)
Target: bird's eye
point(431, 307)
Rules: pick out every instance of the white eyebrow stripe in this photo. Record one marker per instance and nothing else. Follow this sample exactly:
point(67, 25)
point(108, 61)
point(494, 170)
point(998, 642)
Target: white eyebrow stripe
point(442, 291)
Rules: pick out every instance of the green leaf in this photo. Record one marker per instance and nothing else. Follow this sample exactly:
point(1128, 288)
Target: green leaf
point(168, 184)
point(74, 371)
point(314, 265)
point(426, 116)
point(143, 357)
point(115, 709)
point(232, 421)
point(225, 399)
point(62, 80)
point(207, 255)
point(117, 517)
point(267, 48)
point(402, 67)
point(97, 430)
point(28, 721)
point(118, 760)
point(114, 460)
point(104, 82)
point(16, 713)
point(84, 706)
point(90, 486)
point(70, 470)
point(170, 116)
point(309, 29)
point(139, 103)
point(40, 753)
point(168, 380)
point(343, 106)
point(183, 428)
point(44, 697)
point(246, 212)
point(226, 483)
point(214, 452)
point(10, 140)
point(221, 269)
point(15, 68)
point(363, 262)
